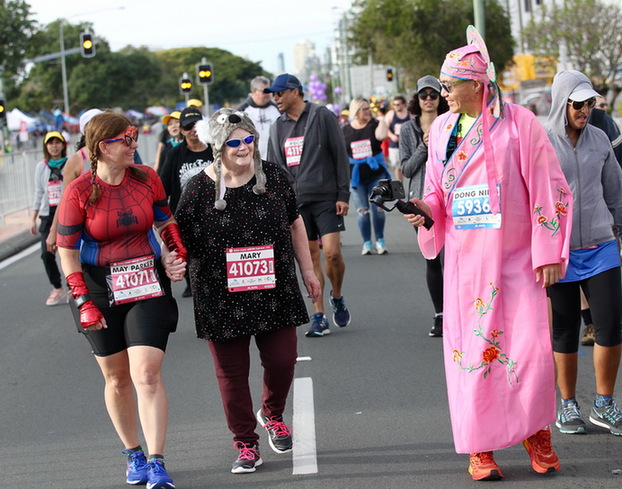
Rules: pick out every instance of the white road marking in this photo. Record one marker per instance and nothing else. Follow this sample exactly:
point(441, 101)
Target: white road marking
point(20, 255)
point(304, 454)
point(303, 359)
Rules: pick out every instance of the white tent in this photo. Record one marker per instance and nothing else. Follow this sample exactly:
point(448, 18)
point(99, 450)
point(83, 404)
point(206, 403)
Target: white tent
point(16, 116)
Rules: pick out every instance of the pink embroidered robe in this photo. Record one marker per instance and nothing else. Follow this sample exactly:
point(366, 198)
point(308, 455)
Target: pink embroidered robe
point(496, 341)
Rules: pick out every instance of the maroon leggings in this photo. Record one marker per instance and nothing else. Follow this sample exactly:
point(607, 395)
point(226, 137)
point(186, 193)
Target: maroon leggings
point(277, 350)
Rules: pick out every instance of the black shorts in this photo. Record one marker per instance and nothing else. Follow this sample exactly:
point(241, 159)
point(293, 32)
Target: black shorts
point(321, 218)
point(141, 323)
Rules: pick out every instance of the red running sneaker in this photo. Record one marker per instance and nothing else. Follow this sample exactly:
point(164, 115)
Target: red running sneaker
point(483, 467)
point(540, 450)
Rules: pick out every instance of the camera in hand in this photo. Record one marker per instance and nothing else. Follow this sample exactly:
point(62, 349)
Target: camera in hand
point(392, 190)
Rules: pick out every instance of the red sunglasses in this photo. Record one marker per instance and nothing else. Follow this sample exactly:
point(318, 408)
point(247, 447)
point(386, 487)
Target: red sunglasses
point(131, 134)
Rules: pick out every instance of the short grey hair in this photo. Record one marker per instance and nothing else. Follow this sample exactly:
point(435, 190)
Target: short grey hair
point(259, 82)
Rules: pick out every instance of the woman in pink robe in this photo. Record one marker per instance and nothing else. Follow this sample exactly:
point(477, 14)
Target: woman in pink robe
point(502, 211)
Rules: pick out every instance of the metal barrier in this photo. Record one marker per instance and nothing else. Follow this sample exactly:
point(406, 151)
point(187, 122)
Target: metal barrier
point(17, 172)
point(17, 181)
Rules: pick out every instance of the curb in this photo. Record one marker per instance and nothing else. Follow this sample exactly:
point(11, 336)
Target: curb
point(16, 243)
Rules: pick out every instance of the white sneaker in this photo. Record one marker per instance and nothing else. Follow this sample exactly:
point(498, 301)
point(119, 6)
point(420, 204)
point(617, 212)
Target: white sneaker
point(380, 249)
point(367, 248)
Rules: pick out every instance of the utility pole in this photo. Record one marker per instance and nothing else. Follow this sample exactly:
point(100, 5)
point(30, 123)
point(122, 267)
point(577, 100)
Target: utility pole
point(478, 14)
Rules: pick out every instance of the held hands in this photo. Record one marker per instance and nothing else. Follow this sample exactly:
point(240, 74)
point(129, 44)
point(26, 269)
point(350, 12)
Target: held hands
point(174, 265)
point(418, 220)
point(549, 274)
point(312, 284)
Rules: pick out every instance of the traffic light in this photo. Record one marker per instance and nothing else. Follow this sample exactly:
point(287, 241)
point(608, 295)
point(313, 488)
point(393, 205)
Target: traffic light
point(87, 46)
point(390, 75)
point(2, 110)
point(205, 73)
point(185, 85)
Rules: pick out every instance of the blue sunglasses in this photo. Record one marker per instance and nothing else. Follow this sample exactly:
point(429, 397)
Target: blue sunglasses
point(234, 143)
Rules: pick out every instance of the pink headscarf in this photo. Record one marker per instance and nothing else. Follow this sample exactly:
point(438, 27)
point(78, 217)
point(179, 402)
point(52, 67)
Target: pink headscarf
point(472, 62)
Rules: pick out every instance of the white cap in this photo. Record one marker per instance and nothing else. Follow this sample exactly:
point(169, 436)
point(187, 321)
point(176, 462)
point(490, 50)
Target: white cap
point(86, 117)
point(582, 92)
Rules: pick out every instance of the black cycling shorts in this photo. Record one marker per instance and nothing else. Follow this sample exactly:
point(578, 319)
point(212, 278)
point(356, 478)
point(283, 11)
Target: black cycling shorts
point(604, 295)
point(321, 218)
point(142, 323)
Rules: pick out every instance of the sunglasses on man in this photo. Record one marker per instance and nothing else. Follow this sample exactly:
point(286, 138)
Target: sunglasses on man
point(235, 143)
point(590, 102)
point(130, 135)
point(189, 126)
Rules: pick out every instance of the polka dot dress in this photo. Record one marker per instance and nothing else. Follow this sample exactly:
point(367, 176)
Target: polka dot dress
point(248, 220)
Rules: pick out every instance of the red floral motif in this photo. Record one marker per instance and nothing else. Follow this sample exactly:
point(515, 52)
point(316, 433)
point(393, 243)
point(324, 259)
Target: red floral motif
point(462, 156)
point(457, 356)
point(495, 333)
point(542, 220)
point(489, 354)
point(560, 208)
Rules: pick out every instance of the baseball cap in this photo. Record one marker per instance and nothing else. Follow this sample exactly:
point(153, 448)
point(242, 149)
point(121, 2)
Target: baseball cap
point(283, 82)
point(190, 115)
point(173, 115)
point(53, 134)
point(86, 117)
point(582, 92)
point(428, 82)
point(194, 102)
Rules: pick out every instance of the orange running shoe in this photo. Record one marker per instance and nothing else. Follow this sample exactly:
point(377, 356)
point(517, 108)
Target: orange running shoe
point(483, 467)
point(540, 450)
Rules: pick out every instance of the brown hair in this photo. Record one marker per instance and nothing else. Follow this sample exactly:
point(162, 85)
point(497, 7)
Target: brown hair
point(101, 127)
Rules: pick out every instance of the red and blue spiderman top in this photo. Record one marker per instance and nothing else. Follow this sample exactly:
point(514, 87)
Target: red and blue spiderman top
point(119, 225)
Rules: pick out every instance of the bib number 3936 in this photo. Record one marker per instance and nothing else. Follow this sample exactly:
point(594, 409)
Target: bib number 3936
point(133, 280)
point(250, 268)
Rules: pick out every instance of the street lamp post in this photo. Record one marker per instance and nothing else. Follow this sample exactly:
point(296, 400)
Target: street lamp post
point(64, 67)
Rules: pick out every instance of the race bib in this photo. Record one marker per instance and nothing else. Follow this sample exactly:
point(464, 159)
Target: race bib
point(54, 190)
point(293, 150)
point(133, 280)
point(470, 208)
point(361, 149)
point(397, 128)
point(250, 268)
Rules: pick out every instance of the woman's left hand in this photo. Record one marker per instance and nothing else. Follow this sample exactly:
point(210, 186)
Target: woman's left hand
point(175, 267)
point(312, 284)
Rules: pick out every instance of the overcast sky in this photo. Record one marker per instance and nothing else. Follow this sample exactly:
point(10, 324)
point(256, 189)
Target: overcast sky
point(255, 29)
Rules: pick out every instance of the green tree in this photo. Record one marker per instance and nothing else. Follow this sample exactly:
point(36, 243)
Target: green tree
point(232, 74)
point(415, 35)
point(592, 33)
point(16, 28)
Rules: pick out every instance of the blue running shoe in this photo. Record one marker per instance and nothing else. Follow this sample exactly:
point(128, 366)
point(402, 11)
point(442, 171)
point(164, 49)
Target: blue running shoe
point(341, 315)
point(136, 467)
point(319, 326)
point(158, 477)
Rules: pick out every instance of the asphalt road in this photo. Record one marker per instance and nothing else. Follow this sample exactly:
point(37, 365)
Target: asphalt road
point(379, 401)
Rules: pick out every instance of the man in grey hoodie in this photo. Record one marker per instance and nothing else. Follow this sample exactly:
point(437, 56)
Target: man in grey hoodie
point(595, 179)
point(308, 143)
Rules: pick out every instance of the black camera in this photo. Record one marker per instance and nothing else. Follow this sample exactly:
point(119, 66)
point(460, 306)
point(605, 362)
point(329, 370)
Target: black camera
point(389, 190)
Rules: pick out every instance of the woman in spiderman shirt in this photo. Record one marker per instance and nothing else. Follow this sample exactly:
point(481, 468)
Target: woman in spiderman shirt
point(121, 291)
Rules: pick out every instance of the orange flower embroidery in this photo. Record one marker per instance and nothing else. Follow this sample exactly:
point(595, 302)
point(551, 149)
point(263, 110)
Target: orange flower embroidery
point(462, 156)
point(489, 354)
point(457, 356)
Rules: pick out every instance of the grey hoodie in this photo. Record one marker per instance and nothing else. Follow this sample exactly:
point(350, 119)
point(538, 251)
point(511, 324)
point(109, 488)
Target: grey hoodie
point(594, 176)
